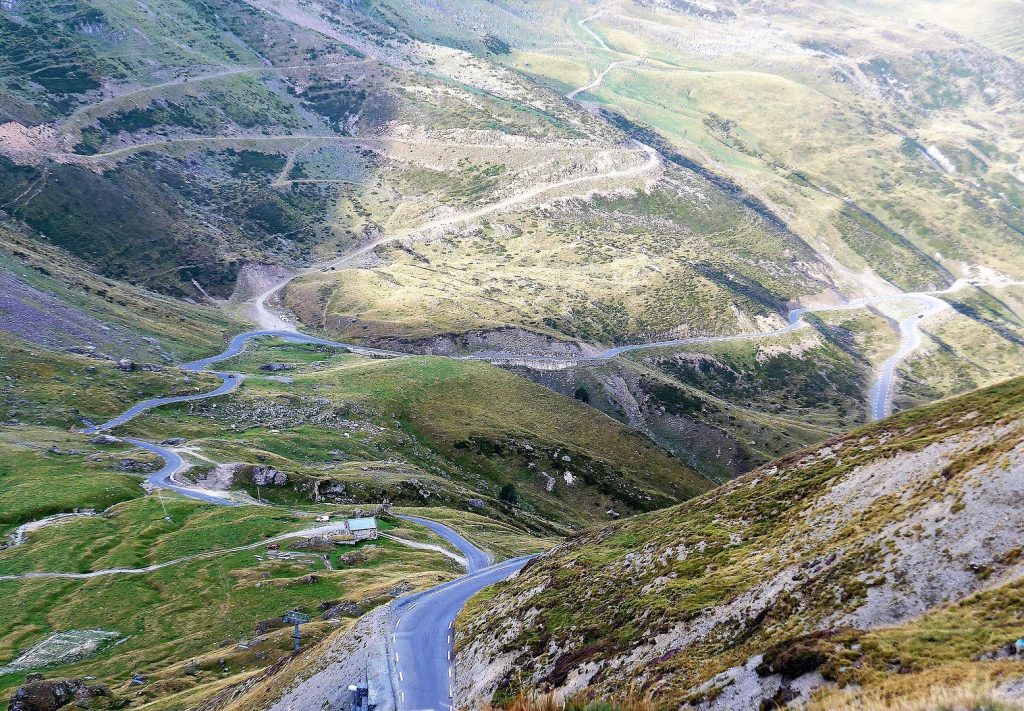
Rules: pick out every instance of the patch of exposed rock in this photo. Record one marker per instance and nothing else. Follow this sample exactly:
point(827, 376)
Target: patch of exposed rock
point(498, 343)
point(358, 654)
point(53, 694)
point(225, 476)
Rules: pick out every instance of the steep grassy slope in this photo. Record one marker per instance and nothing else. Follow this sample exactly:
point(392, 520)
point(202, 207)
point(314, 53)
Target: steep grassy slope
point(426, 431)
point(816, 568)
point(66, 390)
point(727, 407)
point(270, 138)
point(440, 435)
point(55, 301)
point(492, 147)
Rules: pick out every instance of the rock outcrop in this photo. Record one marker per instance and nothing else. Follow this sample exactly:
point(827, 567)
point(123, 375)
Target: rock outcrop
point(52, 694)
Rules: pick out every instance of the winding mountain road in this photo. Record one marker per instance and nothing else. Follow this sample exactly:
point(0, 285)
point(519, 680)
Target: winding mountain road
point(421, 643)
point(911, 337)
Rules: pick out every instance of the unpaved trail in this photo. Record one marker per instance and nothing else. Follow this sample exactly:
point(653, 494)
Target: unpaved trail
point(307, 532)
point(87, 110)
point(600, 77)
point(427, 547)
point(267, 319)
point(17, 538)
point(304, 533)
point(378, 142)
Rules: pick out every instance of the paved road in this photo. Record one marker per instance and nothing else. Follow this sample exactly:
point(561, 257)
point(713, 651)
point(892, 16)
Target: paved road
point(476, 558)
point(173, 462)
point(910, 331)
point(422, 636)
point(229, 381)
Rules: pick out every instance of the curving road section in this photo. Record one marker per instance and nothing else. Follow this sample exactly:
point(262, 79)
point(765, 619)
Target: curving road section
point(880, 402)
point(476, 559)
point(421, 642)
point(422, 636)
point(173, 463)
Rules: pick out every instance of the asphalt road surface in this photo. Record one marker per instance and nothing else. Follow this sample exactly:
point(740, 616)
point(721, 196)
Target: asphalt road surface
point(422, 636)
point(476, 558)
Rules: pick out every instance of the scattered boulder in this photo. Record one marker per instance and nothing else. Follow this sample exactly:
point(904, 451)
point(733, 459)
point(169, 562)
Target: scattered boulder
point(475, 503)
point(401, 589)
point(353, 558)
point(126, 365)
point(277, 367)
point(346, 608)
point(105, 439)
point(174, 441)
point(265, 626)
point(136, 467)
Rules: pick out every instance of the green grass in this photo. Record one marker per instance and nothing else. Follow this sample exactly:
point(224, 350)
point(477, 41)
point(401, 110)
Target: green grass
point(57, 389)
point(186, 611)
point(499, 539)
point(160, 327)
point(463, 429)
point(37, 483)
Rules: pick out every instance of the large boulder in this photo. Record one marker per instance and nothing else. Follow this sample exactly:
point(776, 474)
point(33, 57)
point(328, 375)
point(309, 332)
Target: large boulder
point(105, 439)
point(265, 626)
point(268, 476)
point(45, 695)
point(343, 609)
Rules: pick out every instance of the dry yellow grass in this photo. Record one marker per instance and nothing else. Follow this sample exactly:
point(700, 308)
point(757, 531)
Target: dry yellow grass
point(555, 702)
point(981, 693)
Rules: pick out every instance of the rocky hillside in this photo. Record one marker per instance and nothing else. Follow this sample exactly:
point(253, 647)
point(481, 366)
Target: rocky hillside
point(886, 560)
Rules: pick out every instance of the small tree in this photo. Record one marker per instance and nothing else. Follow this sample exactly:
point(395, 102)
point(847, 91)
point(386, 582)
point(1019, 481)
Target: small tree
point(509, 494)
